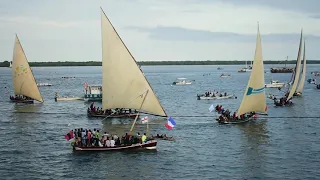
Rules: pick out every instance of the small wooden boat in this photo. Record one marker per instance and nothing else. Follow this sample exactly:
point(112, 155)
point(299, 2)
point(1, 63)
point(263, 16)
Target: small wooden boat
point(225, 75)
point(149, 145)
point(123, 115)
point(24, 83)
point(240, 121)
point(164, 138)
point(216, 97)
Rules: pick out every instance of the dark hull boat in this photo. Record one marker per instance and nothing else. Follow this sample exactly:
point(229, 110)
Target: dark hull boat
point(280, 104)
point(22, 101)
point(240, 121)
point(126, 115)
point(149, 145)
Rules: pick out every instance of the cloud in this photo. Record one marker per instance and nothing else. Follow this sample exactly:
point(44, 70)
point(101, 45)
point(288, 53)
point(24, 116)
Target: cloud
point(183, 34)
point(37, 21)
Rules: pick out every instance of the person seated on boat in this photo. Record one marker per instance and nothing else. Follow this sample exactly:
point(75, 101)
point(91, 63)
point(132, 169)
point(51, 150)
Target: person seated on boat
point(112, 142)
point(91, 105)
point(234, 116)
point(107, 142)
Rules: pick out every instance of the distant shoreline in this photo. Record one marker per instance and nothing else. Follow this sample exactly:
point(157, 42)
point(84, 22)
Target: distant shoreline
point(156, 63)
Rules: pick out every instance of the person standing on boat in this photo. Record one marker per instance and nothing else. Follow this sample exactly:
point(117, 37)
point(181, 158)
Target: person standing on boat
point(144, 138)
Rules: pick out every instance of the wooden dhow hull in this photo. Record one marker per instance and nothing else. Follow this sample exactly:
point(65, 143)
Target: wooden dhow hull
point(199, 97)
point(236, 121)
point(149, 145)
point(22, 101)
point(132, 115)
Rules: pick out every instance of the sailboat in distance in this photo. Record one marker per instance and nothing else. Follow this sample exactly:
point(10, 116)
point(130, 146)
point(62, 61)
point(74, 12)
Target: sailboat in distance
point(254, 98)
point(23, 81)
point(304, 71)
point(124, 86)
point(286, 100)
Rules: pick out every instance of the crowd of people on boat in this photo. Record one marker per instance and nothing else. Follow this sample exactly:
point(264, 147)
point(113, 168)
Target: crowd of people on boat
point(225, 115)
point(214, 94)
point(20, 98)
point(87, 138)
point(118, 111)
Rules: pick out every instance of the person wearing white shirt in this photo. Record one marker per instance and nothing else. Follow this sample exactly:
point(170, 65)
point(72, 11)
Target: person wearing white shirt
point(112, 142)
point(107, 142)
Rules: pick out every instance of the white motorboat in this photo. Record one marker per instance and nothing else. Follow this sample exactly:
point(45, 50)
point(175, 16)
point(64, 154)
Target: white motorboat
point(66, 98)
point(44, 84)
point(274, 84)
point(93, 93)
point(181, 81)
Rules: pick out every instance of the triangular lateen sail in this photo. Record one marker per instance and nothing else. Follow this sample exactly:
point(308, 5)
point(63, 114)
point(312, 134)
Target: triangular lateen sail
point(254, 98)
point(297, 71)
point(304, 70)
point(124, 84)
point(22, 77)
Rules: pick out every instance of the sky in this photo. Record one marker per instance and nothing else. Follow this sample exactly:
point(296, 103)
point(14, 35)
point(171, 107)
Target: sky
point(200, 30)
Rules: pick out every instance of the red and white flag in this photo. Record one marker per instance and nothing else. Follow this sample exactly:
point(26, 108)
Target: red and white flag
point(144, 120)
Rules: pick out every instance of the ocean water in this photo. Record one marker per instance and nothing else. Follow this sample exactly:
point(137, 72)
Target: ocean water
point(283, 145)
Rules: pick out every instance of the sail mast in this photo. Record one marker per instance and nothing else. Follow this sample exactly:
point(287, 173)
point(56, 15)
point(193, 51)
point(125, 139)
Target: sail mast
point(23, 79)
point(297, 71)
point(122, 79)
point(304, 70)
point(254, 98)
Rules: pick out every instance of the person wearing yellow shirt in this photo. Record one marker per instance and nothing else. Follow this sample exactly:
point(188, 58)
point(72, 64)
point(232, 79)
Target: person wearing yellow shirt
point(144, 138)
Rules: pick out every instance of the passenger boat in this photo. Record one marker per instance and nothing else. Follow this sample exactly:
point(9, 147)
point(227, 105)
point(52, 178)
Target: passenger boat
point(215, 97)
point(113, 115)
point(23, 81)
point(149, 145)
point(254, 99)
point(133, 91)
point(274, 84)
point(295, 79)
point(93, 93)
point(181, 81)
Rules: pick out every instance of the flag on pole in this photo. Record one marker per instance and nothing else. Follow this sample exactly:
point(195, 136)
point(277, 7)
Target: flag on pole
point(69, 135)
point(144, 120)
point(170, 124)
point(211, 108)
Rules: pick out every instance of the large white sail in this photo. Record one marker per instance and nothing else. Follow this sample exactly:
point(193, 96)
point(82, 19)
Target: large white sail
point(297, 71)
point(123, 83)
point(254, 98)
point(22, 77)
point(304, 71)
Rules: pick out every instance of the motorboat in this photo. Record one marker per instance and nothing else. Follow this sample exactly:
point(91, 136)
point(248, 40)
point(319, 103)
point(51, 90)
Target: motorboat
point(274, 84)
point(181, 81)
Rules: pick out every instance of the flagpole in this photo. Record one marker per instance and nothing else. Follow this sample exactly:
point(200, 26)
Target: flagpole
point(134, 122)
point(148, 128)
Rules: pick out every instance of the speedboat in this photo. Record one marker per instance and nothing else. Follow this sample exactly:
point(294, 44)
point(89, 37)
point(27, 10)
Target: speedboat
point(274, 84)
point(181, 81)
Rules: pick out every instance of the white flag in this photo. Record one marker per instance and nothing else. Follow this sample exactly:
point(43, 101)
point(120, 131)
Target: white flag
point(144, 120)
point(211, 108)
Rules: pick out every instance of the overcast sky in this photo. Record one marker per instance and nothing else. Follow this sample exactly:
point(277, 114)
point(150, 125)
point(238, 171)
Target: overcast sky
point(70, 30)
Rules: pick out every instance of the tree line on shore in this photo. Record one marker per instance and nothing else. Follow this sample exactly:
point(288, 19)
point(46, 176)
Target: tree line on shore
point(153, 63)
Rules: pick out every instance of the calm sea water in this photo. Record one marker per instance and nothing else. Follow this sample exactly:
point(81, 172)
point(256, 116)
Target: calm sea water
point(275, 147)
